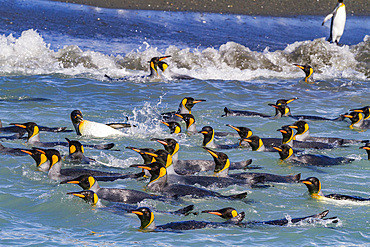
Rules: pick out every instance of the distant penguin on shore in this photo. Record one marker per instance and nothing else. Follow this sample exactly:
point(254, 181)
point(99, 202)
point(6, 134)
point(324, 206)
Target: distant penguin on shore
point(338, 22)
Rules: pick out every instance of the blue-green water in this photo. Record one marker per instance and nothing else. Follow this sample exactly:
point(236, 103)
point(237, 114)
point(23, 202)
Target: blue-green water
point(60, 52)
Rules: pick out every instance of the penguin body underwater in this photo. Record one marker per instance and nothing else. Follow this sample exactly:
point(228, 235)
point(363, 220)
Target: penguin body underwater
point(229, 213)
point(146, 217)
point(286, 154)
point(88, 182)
point(158, 183)
point(314, 188)
point(338, 21)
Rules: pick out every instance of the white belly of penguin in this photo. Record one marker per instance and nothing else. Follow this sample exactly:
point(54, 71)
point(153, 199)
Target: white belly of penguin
point(339, 21)
point(88, 128)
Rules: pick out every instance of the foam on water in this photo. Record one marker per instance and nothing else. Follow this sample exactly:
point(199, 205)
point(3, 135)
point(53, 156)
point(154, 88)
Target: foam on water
point(30, 55)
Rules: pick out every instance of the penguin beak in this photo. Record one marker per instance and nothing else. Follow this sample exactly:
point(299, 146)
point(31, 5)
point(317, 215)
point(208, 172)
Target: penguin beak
point(161, 58)
point(306, 182)
point(299, 66)
point(198, 101)
point(20, 125)
point(282, 131)
point(278, 149)
point(211, 152)
point(365, 147)
point(142, 166)
point(275, 106)
point(349, 116)
point(137, 212)
point(357, 110)
point(293, 126)
point(165, 124)
point(203, 132)
point(235, 128)
point(151, 154)
point(76, 194)
point(179, 116)
point(247, 140)
point(212, 212)
point(72, 182)
point(26, 151)
point(162, 142)
point(291, 100)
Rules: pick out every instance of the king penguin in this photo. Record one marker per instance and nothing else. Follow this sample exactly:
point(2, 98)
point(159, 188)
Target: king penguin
point(338, 21)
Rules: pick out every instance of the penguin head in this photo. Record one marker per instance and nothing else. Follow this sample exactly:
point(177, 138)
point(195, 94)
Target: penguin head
point(340, 1)
point(208, 135)
point(308, 70)
point(75, 146)
point(156, 169)
point(367, 148)
point(281, 106)
point(169, 144)
point(255, 142)
point(161, 156)
point(188, 119)
point(38, 155)
point(76, 116)
point(243, 132)
point(285, 151)
point(31, 128)
point(143, 153)
point(89, 196)
point(287, 133)
point(189, 102)
point(313, 185)
point(84, 181)
point(53, 156)
point(226, 213)
point(175, 127)
point(146, 217)
point(221, 160)
point(301, 127)
point(365, 110)
point(156, 62)
point(355, 117)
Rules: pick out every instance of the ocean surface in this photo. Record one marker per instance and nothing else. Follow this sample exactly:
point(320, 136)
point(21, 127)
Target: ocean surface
point(53, 58)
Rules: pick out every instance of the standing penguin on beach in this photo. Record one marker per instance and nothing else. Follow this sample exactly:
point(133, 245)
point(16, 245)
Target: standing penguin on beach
point(338, 22)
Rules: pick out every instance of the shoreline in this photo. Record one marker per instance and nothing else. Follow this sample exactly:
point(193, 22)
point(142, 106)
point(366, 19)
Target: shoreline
point(283, 8)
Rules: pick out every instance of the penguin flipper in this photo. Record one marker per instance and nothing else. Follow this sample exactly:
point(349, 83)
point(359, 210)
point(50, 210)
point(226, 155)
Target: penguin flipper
point(184, 211)
point(327, 18)
point(120, 125)
point(100, 146)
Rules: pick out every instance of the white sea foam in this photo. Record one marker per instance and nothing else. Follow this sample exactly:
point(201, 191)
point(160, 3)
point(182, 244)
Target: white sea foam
point(30, 55)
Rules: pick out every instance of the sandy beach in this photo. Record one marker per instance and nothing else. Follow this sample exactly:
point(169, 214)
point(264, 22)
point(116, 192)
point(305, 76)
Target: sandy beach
point(244, 7)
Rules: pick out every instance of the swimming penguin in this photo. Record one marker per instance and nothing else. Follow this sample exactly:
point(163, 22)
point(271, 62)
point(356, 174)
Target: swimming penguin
point(222, 170)
point(281, 110)
point(94, 129)
point(256, 143)
point(308, 70)
point(88, 182)
point(92, 198)
point(33, 138)
point(56, 173)
point(357, 121)
point(303, 134)
point(288, 138)
point(367, 148)
point(175, 127)
point(364, 110)
point(76, 153)
point(185, 107)
point(154, 64)
point(21, 131)
point(190, 167)
point(163, 157)
point(208, 139)
point(146, 217)
point(42, 162)
point(338, 22)
point(229, 212)
point(286, 154)
point(158, 183)
point(314, 188)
